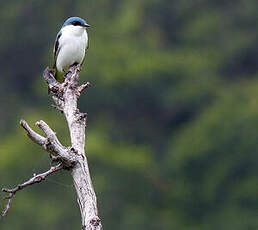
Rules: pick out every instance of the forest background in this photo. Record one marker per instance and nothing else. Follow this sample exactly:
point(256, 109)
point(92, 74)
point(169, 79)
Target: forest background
point(172, 136)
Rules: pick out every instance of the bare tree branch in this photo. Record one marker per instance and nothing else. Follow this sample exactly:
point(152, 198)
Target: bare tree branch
point(32, 134)
point(50, 143)
point(83, 87)
point(65, 96)
point(35, 179)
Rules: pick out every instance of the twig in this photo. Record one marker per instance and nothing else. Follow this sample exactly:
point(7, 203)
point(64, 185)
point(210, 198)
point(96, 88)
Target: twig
point(32, 134)
point(83, 87)
point(35, 179)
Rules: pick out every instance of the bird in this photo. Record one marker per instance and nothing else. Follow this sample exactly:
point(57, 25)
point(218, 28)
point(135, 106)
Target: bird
point(70, 47)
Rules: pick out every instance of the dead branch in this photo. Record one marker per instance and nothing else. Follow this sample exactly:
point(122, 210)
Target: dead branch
point(65, 96)
point(35, 179)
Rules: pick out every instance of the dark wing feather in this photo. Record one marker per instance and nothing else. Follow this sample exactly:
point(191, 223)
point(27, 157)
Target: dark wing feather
point(56, 48)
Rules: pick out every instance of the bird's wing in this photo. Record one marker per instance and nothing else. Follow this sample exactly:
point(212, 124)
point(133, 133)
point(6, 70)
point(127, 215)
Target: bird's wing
point(87, 47)
point(56, 48)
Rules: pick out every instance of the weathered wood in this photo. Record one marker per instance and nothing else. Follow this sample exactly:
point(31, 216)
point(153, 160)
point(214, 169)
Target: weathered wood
point(65, 96)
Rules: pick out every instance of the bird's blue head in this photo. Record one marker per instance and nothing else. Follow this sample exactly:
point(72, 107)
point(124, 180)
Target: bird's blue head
point(75, 21)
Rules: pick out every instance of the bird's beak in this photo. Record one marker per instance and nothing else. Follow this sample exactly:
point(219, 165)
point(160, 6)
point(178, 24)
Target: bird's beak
point(86, 25)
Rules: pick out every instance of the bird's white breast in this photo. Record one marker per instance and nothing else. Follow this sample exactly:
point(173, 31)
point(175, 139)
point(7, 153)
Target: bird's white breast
point(72, 43)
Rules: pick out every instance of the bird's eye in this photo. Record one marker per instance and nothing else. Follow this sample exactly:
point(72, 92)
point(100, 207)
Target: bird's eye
point(76, 23)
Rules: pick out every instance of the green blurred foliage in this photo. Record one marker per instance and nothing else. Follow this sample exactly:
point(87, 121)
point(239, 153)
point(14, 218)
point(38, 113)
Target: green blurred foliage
point(173, 113)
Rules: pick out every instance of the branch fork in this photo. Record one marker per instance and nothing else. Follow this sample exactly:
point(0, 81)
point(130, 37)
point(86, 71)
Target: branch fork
point(65, 96)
